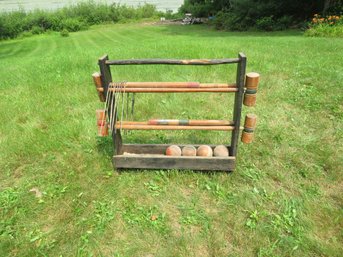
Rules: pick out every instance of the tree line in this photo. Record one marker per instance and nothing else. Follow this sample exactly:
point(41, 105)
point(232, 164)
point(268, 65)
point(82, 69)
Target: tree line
point(261, 14)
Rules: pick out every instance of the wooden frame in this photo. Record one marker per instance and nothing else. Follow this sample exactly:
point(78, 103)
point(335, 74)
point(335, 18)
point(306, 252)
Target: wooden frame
point(151, 156)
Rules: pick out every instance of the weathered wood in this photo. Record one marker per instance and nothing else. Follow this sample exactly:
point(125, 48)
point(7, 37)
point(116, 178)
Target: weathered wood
point(237, 110)
point(247, 137)
point(153, 148)
point(249, 99)
point(190, 122)
point(171, 127)
point(174, 85)
point(251, 83)
point(173, 61)
point(97, 82)
point(172, 90)
point(117, 141)
point(106, 77)
point(252, 79)
point(250, 121)
point(170, 162)
point(249, 127)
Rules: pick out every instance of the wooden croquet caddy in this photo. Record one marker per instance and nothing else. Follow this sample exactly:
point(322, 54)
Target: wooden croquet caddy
point(152, 156)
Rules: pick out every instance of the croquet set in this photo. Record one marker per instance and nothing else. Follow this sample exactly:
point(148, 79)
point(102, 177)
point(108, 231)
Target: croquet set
point(117, 115)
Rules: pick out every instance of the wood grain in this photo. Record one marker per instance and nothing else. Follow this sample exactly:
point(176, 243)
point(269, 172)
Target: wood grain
point(173, 61)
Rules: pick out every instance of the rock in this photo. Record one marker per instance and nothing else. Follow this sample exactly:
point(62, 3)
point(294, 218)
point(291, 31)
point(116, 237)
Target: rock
point(173, 150)
point(221, 151)
point(189, 150)
point(204, 151)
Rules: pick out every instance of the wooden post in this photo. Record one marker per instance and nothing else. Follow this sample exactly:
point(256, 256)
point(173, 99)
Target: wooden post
point(105, 71)
point(251, 84)
point(238, 103)
point(98, 84)
point(249, 127)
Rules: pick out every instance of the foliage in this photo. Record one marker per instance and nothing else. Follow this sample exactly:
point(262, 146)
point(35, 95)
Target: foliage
point(327, 26)
point(73, 18)
point(261, 14)
point(64, 33)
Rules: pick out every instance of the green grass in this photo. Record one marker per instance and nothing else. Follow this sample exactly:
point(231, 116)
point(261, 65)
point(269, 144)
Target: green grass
point(284, 198)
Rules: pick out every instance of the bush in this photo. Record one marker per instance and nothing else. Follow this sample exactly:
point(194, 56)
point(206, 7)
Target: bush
point(283, 23)
point(72, 24)
point(64, 33)
point(330, 26)
point(265, 23)
point(36, 30)
point(26, 34)
point(72, 18)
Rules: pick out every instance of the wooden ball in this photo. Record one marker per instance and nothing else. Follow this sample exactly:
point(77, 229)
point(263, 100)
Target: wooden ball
point(204, 151)
point(189, 150)
point(221, 151)
point(173, 150)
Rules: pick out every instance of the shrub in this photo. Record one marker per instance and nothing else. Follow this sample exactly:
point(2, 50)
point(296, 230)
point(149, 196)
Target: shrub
point(283, 23)
point(64, 33)
point(330, 26)
point(72, 24)
point(72, 18)
point(26, 34)
point(265, 23)
point(36, 30)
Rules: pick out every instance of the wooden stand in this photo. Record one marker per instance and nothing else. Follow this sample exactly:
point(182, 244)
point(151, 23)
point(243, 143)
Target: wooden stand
point(152, 156)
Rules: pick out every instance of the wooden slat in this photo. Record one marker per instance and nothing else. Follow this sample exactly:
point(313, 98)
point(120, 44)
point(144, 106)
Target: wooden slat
point(173, 61)
point(152, 148)
point(172, 90)
point(190, 122)
point(171, 127)
point(173, 85)
point(170, 162)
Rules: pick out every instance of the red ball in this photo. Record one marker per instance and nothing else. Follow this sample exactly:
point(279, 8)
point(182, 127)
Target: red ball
point(173, 150)
point(204, 151)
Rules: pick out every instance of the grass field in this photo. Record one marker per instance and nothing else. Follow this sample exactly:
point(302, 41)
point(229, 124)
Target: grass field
point(284, 198)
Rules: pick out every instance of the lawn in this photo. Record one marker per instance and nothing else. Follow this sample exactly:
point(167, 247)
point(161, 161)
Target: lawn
point(283, 199)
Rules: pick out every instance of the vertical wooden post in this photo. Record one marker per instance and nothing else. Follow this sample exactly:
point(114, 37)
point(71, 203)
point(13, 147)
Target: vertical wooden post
point(237, 109)
point(105, 71)
point(106, 79)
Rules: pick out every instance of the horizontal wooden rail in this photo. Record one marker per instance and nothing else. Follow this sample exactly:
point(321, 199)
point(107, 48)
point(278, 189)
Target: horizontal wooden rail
point(171, 127)
point(190, 122)
point(173, 61)
point(171, 90)
point(165, 122)
point(172, 85)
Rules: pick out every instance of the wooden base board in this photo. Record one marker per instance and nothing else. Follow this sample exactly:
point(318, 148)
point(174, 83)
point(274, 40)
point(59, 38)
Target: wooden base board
point(151, 157)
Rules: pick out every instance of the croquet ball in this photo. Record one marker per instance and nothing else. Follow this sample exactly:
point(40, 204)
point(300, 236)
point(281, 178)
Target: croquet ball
point(221, 151)
point(173, 150)
point(204, 150)
point(189, 150)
